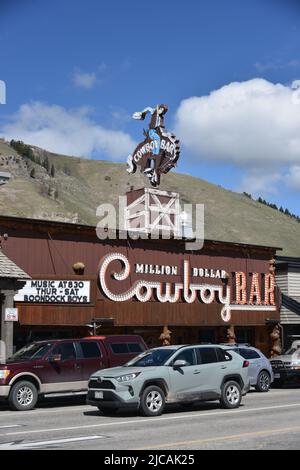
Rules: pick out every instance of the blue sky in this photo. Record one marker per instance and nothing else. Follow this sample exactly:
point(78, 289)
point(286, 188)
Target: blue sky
point(76, 70)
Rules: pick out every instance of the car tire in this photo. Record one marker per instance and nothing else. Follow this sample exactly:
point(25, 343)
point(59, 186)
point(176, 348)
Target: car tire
point(231, 395)
point(107, 411)
point(23, 396)
point(152, 402)
point(263, 382)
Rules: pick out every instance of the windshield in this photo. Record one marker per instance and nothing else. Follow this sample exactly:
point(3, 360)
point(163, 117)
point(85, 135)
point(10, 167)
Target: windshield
point(31, 351)
point(153, 357)
point(294, 350)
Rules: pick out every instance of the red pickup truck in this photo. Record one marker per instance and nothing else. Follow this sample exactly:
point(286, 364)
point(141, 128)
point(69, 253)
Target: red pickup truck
point(61, 367)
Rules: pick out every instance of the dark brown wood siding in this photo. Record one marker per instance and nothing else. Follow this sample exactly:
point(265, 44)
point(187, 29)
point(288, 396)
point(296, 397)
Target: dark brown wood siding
point(45, 249)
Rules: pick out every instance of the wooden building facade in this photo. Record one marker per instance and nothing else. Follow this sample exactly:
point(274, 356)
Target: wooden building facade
point(139, 286)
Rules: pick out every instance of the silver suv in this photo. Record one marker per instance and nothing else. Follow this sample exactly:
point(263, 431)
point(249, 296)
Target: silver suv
point(171, 374)
point(260, 369)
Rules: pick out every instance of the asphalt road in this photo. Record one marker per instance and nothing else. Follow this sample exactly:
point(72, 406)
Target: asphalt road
point(264, 421)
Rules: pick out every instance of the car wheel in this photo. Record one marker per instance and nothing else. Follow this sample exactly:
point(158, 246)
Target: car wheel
point(107, 411)
point(263, 382)
point(23, 396)
point(231, 395)
point(152, 401)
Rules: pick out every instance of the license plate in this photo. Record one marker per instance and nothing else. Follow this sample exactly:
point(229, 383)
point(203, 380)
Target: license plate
point(99, 395)
point(276, 376)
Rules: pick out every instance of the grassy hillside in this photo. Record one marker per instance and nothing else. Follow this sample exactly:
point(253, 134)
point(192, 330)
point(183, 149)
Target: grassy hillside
point(80, 185)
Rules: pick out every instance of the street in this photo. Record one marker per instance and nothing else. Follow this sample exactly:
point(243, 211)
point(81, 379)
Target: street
point(264, 421)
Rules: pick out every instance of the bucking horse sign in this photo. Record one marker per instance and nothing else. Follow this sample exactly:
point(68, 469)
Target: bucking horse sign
point(160, 150)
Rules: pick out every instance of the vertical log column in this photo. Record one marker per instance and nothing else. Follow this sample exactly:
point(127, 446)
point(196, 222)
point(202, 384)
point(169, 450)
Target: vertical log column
point(7, 327)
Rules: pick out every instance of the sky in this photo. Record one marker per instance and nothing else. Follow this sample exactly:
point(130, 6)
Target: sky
point(76, 70)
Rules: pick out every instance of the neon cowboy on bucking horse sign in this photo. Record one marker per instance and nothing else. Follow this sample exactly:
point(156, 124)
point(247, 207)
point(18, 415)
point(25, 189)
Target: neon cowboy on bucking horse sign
point(160, 150)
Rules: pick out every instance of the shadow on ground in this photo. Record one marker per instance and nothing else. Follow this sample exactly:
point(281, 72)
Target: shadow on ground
point(52, 402)
point(208, 406)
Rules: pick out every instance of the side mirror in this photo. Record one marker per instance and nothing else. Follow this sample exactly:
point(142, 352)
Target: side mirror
point(180, 363)
point(55, 358)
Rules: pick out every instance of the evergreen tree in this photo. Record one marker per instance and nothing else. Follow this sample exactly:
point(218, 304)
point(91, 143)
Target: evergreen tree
point(46, 164)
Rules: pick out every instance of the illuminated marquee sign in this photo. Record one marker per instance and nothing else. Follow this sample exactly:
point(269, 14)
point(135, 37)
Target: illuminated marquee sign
point(143, 290)
point(55, 291)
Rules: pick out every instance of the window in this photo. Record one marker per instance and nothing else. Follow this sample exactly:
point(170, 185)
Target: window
point(66, 350)
point(249, 353)
point(188, 355)
point(152, 357)
point(223, 355)
point(126, 348)
point(135, 348)
point(32, 351)
point(207, 355)
point(244, 335)
point(207, 335)
point(119, 348)
point(90, 349)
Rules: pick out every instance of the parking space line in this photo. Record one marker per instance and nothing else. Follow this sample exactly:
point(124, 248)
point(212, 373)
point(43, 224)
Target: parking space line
point(154, 420)
point(32, 445)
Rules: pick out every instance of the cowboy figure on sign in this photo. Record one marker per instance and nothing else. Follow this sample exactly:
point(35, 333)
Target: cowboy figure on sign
point(159, 151)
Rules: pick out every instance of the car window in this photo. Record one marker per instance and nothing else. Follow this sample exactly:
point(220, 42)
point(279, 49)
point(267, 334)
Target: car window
point(152, 357)
point(90, 349)
point(187, 355)
point(207, 355)
point(249, 353)
point(66, 350)
point(135, 348)
point(32, 351)
point(119, 348)
point(223, 355)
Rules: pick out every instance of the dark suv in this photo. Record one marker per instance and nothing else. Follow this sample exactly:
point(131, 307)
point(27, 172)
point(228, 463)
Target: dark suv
point(62, 367)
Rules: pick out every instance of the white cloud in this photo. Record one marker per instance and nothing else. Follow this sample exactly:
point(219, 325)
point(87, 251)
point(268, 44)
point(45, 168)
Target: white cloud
point(84, 79)
point(276, 65)
point(70, 132)
point(259, 183)
point(247, 123)
point(88, 80)
point(293, 177)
